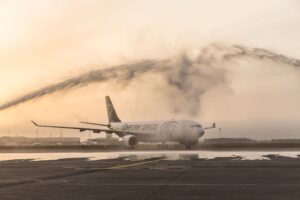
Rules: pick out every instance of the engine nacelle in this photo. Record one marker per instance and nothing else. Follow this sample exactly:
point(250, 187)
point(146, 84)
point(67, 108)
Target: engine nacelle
point(129, 140)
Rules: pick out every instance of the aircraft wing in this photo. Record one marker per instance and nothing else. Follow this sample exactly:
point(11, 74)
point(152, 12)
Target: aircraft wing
point(97, 124)
point(81, 129)
point(95, 130)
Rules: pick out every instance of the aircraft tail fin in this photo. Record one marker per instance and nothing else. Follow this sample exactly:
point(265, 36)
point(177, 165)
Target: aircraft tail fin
point(112, 115)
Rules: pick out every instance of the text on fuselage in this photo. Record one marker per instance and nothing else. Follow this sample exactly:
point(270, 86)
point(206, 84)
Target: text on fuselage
point(140, 127)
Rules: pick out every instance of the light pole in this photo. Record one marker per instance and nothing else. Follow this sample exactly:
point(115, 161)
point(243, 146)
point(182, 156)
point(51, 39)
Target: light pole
point(37, 135)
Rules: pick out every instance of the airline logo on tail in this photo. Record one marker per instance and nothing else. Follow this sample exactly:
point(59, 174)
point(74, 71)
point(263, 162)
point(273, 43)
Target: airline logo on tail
point(112, 115)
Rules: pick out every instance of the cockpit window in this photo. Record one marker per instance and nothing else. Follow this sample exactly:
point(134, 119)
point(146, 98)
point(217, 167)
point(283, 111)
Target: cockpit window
point(196, 125)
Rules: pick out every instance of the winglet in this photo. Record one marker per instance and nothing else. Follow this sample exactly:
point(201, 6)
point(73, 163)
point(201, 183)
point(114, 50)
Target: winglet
point(34, 123)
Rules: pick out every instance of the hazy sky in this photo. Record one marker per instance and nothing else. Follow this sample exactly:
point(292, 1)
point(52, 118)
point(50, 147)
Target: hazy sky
point(42, 42)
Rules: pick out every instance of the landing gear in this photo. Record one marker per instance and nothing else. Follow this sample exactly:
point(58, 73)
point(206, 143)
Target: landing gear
point(163, 146)
point(188, 147)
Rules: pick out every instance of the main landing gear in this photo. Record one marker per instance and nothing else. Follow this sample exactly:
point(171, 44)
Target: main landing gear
point(163, 146)
point(188, 147)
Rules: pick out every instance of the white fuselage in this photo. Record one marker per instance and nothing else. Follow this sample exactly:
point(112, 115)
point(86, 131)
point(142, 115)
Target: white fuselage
point(183, 131)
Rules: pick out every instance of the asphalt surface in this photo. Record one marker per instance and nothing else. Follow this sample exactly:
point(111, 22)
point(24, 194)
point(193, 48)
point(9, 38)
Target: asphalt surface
point(154, 178)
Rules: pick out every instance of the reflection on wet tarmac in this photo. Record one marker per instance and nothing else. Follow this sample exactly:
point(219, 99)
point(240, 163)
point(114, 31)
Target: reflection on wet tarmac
point(142, 155)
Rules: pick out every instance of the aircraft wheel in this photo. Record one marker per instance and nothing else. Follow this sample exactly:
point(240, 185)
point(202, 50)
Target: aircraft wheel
point(188, 147)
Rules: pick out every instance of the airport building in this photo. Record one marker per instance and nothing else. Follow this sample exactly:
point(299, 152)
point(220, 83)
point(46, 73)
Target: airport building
point(229, 140)
point(291, 141)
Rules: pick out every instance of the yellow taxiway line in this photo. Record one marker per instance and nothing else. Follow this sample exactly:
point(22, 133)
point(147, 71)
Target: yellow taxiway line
point(118, 166)
point(135, 164)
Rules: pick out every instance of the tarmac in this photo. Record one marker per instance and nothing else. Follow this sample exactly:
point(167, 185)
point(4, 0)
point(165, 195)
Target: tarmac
point(156, 177)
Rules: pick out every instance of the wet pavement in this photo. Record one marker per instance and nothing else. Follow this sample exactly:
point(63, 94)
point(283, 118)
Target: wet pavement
point(141, 155)
point(152, 175)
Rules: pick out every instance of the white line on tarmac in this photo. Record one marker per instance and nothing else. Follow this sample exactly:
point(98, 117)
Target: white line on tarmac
point(195, 184)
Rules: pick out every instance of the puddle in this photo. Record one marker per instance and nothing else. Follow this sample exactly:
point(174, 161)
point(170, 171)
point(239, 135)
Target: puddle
point(142, 155)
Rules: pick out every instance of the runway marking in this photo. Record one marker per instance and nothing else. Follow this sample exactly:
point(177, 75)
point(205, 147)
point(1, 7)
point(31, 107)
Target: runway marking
point(164, 186)
point(135, 164)
point(198, 184)
point(119, 166)
point(78, 173)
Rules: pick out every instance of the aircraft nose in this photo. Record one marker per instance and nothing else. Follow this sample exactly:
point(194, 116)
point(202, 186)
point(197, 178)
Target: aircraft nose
point(200, 132)
point(194, 135)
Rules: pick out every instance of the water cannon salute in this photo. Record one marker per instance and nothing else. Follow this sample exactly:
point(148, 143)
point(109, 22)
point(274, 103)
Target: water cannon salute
point(145, 99)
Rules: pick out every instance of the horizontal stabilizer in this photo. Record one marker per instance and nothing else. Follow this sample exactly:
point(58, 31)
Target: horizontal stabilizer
point(211, 127)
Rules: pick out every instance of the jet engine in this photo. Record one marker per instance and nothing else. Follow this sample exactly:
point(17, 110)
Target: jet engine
point(129, 140)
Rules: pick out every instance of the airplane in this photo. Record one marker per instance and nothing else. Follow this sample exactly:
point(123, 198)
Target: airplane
point(186, 132)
